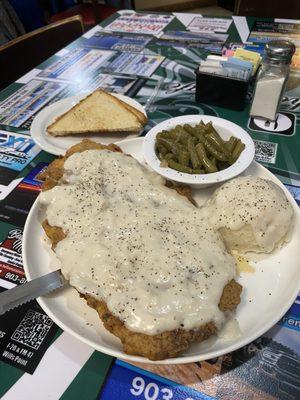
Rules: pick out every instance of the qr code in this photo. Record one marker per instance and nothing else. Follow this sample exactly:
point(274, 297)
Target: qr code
point(265, 151)
point(32, 330)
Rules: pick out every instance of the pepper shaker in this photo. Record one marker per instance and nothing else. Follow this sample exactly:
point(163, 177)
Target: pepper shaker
point(271, 79)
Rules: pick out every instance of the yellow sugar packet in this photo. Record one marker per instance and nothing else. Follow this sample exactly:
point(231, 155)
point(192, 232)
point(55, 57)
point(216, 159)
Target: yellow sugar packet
point(247, 55)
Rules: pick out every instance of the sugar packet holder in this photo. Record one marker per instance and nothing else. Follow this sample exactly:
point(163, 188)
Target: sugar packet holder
point(222, 91)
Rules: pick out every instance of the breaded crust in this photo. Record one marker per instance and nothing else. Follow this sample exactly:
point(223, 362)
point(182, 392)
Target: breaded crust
point(155, 347)
point(55, 170)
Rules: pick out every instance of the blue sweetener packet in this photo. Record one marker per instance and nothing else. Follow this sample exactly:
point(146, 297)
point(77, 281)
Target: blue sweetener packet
point(233, 62)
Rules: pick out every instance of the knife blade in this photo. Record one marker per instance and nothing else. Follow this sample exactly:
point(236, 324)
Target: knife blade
point(19, 295)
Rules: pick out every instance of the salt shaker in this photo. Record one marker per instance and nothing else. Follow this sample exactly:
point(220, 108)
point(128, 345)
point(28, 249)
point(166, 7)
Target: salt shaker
point(271, 80)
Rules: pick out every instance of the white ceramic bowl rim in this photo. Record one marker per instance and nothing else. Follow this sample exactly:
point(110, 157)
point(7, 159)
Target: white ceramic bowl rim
point(238, 167)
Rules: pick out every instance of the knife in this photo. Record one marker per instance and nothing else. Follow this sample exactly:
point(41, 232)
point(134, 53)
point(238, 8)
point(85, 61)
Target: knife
point(31, 290)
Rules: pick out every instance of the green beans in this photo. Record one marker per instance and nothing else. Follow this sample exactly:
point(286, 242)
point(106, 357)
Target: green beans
point(231, 143)
point(167, 143)
point(207, 128)
point(181, 168)
point(206, 162)
point(196, 163)
point(214, 161)
point(165, 159)
point(189, 129)
point(161, 149)
point(215, 140)
point(183, 137)
point(239, 147)
point(184, 158)
point(177, 149)
point(196, 149)
point(219, 155)
point(169, 156)
point(194, 131)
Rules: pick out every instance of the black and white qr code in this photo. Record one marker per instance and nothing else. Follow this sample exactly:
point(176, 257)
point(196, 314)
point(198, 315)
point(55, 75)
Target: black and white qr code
point(32, 330)
point(265, 151)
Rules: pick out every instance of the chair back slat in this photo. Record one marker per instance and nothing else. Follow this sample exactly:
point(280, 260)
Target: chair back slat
point(26, 52)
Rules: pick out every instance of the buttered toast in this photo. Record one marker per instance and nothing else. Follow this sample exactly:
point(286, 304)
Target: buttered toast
point(99, 112)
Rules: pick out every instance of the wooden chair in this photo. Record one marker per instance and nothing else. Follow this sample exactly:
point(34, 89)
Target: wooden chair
point(20, 55)
point(92, 13)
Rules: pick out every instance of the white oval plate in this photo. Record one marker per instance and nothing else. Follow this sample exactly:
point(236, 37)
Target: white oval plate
point(267, 295)
point(59, 145)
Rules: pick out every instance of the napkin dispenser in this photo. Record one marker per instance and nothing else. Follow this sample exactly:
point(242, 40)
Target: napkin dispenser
point(221, 91)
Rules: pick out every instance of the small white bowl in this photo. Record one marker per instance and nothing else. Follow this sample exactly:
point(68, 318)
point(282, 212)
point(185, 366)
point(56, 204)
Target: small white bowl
point(224, 128)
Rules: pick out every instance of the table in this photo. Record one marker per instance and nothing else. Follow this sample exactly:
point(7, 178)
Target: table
point(139, 60)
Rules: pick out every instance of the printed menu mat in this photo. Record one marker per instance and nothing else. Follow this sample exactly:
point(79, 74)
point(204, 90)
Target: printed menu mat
point(27, 331)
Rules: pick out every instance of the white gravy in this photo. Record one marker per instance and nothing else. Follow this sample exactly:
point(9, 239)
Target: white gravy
point(139, 246)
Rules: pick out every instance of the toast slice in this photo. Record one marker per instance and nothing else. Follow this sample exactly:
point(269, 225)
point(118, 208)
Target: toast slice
point(140, 116)
point(99, 112)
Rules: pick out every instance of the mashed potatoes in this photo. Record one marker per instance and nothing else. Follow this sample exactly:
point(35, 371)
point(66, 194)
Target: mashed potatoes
point(251, 214)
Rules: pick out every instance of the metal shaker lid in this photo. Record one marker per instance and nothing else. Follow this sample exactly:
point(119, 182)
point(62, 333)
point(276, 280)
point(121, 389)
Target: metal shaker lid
point(280, 50)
